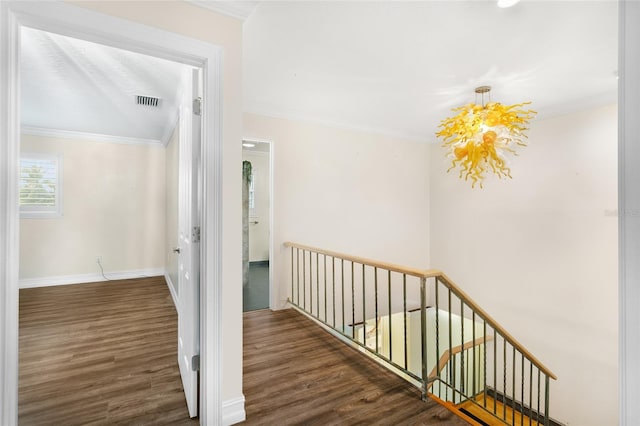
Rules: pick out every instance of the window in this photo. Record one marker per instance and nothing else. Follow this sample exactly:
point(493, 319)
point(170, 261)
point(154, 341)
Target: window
point(40, 185)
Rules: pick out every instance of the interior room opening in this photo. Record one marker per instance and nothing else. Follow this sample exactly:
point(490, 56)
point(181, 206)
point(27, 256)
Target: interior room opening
point(256, 157)
point(102, 135)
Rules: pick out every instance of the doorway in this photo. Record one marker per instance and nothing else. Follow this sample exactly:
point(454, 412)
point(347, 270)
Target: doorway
point(110, 138)
point(71, 20)
point(257, 246)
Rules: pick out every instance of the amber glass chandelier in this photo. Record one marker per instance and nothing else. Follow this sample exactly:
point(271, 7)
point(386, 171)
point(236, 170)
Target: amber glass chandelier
point(480, 137)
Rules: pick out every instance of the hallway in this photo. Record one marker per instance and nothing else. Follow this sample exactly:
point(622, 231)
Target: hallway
point(295, 373)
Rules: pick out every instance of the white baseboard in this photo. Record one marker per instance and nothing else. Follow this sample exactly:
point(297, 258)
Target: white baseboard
point(89, 278)
point(172, 289)
point(233, 411)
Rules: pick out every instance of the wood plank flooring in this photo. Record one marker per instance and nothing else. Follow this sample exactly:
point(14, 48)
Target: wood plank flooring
point(296, 373)
point(100, 353)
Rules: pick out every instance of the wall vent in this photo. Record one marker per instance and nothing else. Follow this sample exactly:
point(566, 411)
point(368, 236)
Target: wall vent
point(148, 101)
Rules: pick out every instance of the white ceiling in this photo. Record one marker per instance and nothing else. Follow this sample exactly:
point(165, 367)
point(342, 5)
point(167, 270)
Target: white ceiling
point(75, 85)
point(388, 66)
point(399, 67)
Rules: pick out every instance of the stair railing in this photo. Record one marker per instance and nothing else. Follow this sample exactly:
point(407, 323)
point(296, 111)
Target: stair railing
point(423, 327)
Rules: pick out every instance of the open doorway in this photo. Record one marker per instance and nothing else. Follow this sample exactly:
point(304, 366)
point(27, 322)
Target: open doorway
point(257, 202)
point(74, 21)
point(114, 129)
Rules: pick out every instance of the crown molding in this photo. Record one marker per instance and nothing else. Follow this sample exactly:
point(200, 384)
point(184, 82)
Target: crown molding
point(91, 137)
point(235, 8)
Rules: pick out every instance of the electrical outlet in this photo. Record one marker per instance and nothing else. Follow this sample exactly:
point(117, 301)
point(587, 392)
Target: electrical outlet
point(98, 259)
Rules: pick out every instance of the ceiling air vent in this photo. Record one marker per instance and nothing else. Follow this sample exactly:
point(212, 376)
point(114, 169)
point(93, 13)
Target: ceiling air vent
point(148, 101)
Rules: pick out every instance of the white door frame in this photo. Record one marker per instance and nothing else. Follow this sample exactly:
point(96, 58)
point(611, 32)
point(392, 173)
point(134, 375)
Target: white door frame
point(84, 24)
point(274, 293)
point(629, 212)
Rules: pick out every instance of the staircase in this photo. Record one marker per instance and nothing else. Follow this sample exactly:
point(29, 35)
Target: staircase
point(485, 410)
point(423, 327)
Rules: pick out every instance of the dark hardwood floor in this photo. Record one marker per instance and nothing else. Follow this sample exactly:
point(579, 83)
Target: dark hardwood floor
point(296, 373)
point(105, 353)
point(100, 353)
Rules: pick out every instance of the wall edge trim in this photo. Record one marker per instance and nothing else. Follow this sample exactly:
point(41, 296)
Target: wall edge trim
point(89, 278)
point(233, 411)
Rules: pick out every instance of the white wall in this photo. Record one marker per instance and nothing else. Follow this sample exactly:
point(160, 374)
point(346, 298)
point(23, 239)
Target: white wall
point(347, 191)
point(259, 232)
point(539, 253)
point(195, 22)
point(171, 185)
point(114, 207)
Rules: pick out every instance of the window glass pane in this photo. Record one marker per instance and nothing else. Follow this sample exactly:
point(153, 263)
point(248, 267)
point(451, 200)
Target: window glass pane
point(40, 184)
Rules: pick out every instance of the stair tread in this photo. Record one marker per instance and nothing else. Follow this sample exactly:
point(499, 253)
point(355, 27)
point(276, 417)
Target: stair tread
point(500, 409)
point(455, 410)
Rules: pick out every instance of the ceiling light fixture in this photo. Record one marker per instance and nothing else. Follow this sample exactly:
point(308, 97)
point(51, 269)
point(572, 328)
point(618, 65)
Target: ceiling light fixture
point(507, 3)
point(248, 145)
point(479, 137)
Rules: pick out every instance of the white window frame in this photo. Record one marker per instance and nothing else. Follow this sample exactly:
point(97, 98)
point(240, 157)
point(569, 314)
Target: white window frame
point(44, 212)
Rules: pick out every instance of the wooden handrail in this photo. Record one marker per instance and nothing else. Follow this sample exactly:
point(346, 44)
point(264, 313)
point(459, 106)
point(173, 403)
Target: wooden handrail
point(420, 273)
point(433, 273)
point(462, 295)
point(446, 355)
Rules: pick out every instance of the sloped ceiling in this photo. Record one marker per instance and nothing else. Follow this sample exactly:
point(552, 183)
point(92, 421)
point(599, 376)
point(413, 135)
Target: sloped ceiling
point(75, 85)
point(399, 67)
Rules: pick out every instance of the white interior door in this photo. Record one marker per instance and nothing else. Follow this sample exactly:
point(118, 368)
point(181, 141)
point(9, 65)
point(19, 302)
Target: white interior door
point(189, 245)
